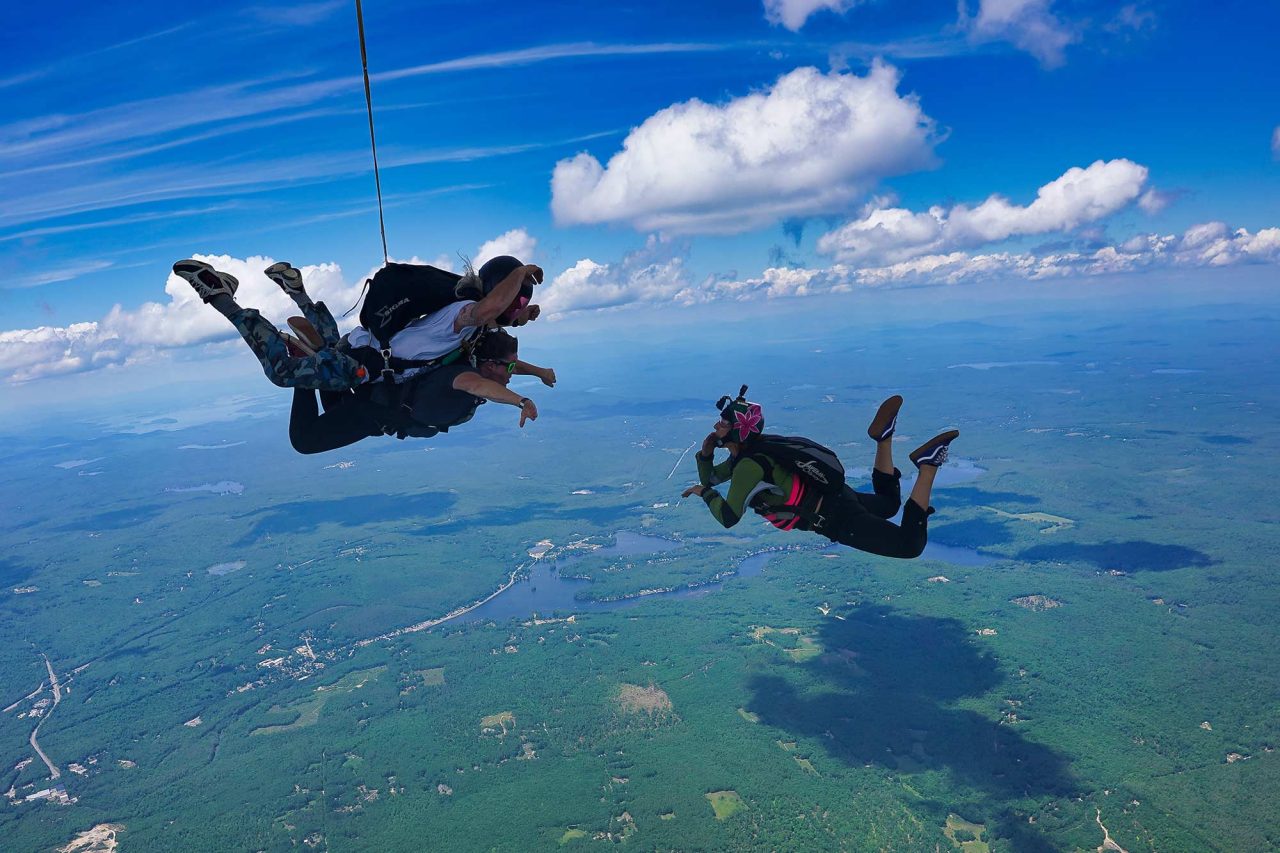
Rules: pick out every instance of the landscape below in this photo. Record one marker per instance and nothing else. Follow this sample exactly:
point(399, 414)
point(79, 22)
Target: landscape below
point(513, 640)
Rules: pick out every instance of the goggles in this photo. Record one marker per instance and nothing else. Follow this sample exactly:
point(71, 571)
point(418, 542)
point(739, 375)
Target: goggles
point(510, 365)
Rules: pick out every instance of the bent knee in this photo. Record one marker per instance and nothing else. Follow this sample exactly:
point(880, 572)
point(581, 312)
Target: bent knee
point(306, 448)
point(914, 548)
point(891, 507)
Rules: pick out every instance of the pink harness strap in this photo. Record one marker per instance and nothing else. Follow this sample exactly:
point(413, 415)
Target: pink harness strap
point(793, 500)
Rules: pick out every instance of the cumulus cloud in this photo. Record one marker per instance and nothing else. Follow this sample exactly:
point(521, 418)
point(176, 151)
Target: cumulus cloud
point(128, 335)
point(793, 13)
point(1210, 244)
point(516, 242)
point(1154, 201)
point(1077, 197)
point(655, 273)
point(1029, 25)
point(810, 144)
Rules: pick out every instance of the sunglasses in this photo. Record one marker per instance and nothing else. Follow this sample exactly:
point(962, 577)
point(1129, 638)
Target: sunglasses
point(511, 365)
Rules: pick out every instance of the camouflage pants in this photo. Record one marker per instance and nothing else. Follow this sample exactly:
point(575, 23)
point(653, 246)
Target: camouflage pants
point(327, 370)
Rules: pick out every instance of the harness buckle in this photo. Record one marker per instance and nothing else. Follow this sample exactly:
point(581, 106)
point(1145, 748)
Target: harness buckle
point(388, 375)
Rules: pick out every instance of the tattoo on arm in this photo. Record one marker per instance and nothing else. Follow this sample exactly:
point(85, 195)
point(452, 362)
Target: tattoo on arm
point(466, 317)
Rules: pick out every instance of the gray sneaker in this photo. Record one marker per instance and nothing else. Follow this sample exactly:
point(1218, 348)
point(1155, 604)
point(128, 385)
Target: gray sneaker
point(207, 281)
point(283, 274)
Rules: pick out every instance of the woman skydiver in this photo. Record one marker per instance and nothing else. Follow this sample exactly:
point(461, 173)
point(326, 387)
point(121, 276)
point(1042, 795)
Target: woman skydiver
point(776, 489)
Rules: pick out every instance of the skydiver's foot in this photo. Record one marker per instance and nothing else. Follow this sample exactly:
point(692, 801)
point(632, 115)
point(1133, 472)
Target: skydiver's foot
point(208, 283)
point(297, 348)
point(288, 278)
point(934, 451)
point(307, 333)
point(886, 419)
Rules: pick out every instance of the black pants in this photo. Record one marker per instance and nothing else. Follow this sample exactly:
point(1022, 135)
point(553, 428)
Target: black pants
point(862, 521)
point(346, 420)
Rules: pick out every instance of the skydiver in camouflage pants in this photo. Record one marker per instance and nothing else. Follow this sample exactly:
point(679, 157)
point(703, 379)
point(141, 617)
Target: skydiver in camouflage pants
point(315, 365)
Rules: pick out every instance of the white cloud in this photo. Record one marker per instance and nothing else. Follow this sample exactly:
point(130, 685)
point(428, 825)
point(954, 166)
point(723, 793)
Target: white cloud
point(1029, 25)
point(1211, 244)
point(793, 13)
point(655, 273)
point(1077, 197)
point(1275, 143)
point(130, 335)
point(65, 273)
point(516, 242)
point(1154, 201)
point(810, 144)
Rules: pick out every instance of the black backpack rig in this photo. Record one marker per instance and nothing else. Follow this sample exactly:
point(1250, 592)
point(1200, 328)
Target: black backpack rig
point(399, 294)
point(818, 464)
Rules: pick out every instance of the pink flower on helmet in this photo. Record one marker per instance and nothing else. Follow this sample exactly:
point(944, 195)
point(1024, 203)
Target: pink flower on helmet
point(747, 423)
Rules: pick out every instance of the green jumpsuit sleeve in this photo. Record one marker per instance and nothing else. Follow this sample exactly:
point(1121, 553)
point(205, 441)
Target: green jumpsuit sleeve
point(747, 474)
point(711, 475)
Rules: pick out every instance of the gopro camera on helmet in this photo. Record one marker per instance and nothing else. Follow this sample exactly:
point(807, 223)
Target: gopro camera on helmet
point(744, 418)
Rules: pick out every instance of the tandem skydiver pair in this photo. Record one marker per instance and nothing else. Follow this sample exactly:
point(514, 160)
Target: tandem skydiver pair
point(430, 351)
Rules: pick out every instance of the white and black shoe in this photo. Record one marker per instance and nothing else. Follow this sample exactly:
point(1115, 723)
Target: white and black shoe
point(934, 451)
point(886, 419)
point(288, 278)
point(207, 282)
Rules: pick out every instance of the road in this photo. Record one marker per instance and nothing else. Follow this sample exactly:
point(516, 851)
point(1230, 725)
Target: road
point(54, 772)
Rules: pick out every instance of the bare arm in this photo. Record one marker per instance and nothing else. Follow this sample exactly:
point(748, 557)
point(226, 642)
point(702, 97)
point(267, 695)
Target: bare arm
point(546, 374)
point(478, 386)
point(488, 309)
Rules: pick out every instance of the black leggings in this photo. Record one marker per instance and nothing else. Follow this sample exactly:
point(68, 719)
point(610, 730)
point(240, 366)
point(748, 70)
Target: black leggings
point(862, 521)
point(346, 420)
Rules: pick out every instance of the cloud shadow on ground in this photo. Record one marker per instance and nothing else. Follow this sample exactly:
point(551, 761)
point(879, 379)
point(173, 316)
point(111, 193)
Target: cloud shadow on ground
point(607, 516)
point(354, 511)
point(115, 519)
point(1131, 556)
point(974, 533)
point(884, 693)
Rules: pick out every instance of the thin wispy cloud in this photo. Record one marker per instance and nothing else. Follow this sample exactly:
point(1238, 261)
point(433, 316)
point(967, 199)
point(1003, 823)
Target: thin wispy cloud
point(546, 53)
point(61, 274)
point(388, 202)
point(48, 139)
point(302, 15)
point(931, 46)
point(134, 219)
point(19, 79)
point(224, 130)
point(177, 182)
point(76, 62)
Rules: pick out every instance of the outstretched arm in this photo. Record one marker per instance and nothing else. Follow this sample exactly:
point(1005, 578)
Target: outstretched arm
point(546, 374)
point(499, 299)
point(496, 392)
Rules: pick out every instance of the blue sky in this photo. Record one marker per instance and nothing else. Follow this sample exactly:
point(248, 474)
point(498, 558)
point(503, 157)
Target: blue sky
point(656, 153)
